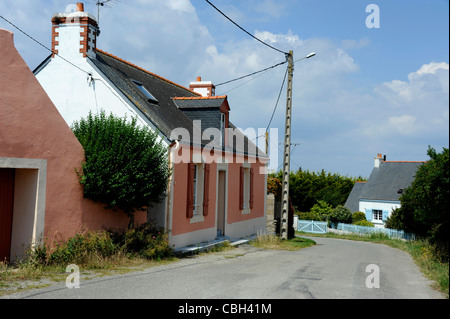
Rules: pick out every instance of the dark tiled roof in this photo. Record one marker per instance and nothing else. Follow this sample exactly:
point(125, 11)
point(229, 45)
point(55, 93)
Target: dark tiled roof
point(167, 113)
point(352, 202)
point(200, 103)
point(164, 114)
point(385, 181)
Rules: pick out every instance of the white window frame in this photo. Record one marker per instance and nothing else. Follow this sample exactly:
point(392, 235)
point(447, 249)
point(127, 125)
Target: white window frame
point(377, 214)
point(199, 184)
point(246, 189)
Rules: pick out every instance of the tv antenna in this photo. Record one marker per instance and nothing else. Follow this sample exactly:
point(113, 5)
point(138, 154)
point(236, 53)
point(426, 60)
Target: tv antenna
point(103, 3)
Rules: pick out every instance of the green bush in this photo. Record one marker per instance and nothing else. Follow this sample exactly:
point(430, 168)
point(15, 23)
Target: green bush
point(308, 216)
point(358, 216)
point(364, 223)
point(80, 248)
point(321, 209)
point(146, 241)
point(395, 220)
point(125, 167)
point(340, 214)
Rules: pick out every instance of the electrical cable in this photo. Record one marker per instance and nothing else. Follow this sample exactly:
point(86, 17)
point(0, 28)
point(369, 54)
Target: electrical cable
point(276, 105)
point(259, 40)
point(246, 76)
point(45, 47)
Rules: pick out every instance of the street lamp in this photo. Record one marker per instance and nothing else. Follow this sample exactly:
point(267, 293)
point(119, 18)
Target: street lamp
point(287, 147)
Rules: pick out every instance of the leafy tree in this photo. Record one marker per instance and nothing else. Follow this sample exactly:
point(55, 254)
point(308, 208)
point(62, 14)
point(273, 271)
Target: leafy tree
point(424, 206)
point(125, 167)
point(395, 220)
point(307, 188)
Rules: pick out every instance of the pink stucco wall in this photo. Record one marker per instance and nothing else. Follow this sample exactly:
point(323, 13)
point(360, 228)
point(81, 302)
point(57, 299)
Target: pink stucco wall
point(31, 127)
point(182, 224)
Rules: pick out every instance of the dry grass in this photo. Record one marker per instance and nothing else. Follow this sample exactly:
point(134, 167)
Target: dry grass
point(270, 241)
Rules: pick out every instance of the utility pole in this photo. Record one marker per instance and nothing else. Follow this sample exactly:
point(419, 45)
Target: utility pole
point(287, 152)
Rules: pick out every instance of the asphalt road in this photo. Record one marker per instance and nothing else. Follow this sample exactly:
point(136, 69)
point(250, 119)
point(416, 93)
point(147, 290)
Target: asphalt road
point(333, 269)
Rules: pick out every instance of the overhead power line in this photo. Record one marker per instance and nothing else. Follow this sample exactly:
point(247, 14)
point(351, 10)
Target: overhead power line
point(42, 45)
point(251, 74)
point(259, 40)
point(276, 105)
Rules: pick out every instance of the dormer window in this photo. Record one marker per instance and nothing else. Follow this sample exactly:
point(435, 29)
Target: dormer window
point(147, 94)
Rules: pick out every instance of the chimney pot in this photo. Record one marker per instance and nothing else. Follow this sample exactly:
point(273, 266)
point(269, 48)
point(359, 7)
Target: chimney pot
point(80, 7)
point(205, 88)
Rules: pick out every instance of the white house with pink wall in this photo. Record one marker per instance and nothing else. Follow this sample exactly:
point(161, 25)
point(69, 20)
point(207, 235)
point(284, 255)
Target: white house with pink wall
point(80, 78)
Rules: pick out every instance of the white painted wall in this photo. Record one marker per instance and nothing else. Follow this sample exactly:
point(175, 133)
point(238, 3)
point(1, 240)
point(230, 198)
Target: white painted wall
point(75, 95)
point(72, 90)
point(378, 205)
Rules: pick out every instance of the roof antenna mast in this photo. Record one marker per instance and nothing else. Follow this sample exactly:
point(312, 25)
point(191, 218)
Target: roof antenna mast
point(102, 3)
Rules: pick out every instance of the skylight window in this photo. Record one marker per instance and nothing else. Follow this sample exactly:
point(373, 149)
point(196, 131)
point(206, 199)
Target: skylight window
point(147, 94)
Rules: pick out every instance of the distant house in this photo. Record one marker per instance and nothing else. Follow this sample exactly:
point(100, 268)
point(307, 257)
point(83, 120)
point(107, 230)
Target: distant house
point(40, 196)
point(208, 195)
point(381, 194)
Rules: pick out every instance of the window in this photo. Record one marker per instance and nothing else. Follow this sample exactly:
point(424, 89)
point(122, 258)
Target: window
point(246, 189)
point(198, 192)
point(377, 214)
point(197, 198)
point(147, 94)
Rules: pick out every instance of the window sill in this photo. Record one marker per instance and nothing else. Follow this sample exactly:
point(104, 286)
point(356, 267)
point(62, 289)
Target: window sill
point(198, 218)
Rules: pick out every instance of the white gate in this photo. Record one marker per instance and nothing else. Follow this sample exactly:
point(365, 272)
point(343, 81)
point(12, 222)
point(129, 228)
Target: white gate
point(312, 226)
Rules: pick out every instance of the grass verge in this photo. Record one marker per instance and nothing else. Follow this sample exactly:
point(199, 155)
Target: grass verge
point(269, 241)
point(25, 276)
point(420, 251)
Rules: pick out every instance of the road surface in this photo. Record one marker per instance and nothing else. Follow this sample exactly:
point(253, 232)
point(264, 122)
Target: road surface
point(333, 269)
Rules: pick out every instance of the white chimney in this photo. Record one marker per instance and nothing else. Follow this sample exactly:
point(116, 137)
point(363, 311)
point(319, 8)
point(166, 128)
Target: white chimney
point(380, 158)
point(74, 34)
point(205, 88)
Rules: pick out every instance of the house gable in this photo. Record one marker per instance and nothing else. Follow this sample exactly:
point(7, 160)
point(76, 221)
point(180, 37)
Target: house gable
point(37, 143)
point(386, 181)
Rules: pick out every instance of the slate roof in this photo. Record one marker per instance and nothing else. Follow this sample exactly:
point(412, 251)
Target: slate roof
point(385, 181)
point(164, 114)
point(167, 113)
point(200, 102)
point(352, 202)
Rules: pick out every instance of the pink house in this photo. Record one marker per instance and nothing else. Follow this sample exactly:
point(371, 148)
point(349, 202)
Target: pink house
point(218, 185)
point(40, 196)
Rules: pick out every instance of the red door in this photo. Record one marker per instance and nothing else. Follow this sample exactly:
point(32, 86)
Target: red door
point(6, 211)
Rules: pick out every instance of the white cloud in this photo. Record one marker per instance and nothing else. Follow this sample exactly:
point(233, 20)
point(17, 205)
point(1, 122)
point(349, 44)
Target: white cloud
point(417, 108)
point(184, 6)
point(404, 124)
point(287, 39)
point(332, 113)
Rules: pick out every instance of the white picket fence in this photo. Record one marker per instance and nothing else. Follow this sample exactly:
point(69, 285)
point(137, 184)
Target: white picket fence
point(392, 233)
point(316, 227)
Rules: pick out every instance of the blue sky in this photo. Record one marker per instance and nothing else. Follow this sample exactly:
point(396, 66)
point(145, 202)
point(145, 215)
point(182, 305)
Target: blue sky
point(367, 91)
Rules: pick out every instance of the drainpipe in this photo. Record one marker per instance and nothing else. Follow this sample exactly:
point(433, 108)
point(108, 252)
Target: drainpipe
point(169, 212)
